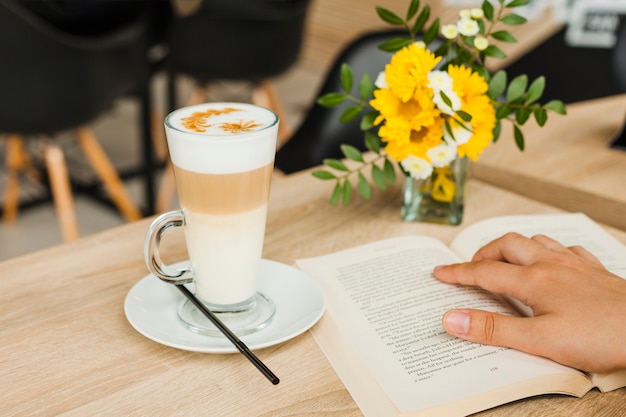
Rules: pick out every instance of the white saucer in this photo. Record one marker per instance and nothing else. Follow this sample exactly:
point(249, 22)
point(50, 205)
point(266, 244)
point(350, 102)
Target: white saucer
point(151, 306)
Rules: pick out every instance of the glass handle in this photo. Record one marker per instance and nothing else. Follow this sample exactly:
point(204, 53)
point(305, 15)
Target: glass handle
point(152, 255)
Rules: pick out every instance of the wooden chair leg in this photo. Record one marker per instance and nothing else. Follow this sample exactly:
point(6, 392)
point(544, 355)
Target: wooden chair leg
point(14, 151)
point(158, 135)
point(61, 192)
point(106, 171)
point(197, 96)
point(266, 95)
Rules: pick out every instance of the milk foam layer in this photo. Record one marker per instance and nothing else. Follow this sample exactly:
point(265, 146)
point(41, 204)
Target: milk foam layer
point(226, 251)
point(247, 142)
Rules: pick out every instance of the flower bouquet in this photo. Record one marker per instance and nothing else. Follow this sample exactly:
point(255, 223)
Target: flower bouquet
point(434, 106)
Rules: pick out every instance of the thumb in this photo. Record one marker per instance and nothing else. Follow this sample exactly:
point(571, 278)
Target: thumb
point(483, 327)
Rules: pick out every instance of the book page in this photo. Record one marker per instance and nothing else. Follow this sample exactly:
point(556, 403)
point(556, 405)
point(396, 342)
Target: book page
point(388, 306)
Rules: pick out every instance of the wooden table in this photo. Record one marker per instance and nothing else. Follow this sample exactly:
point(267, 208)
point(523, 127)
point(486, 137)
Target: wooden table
point(568, 163)
point(67, 349)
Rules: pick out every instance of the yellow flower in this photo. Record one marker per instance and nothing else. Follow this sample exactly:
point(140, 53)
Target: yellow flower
point(467, 83)
point(411, 126)
point(407, 71)
point(411, 123)
point(472, 89)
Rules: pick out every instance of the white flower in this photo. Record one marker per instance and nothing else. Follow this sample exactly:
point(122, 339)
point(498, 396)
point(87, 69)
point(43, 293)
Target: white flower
point(465, 14)
point(461, 134)
point(419, 168)
point(420, 44)
point(439, 80)
point(467, 27)
point(481, 43)
point(476, 13)
point(441, 104)
point(381, 80)
point(449, 31)
point(441, 155)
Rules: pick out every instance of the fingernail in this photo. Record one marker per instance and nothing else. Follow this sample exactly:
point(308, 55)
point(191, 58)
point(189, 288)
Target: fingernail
point(456, 322)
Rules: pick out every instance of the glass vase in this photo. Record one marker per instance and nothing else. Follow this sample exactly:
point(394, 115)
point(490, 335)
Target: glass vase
point(439, 198)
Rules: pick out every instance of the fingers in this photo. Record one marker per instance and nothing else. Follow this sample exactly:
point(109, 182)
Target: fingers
point(488, 328)
point(586, 255)
point(513, 248)
point(498, 277)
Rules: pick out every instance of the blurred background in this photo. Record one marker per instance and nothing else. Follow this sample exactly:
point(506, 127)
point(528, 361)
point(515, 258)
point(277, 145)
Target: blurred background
point(314, 35)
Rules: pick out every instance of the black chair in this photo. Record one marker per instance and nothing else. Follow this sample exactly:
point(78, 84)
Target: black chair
point(53, 81)
point(320, 134)
point(240, 40)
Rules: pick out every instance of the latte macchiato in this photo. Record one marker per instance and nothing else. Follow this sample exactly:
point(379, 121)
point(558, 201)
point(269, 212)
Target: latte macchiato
point(223, 157)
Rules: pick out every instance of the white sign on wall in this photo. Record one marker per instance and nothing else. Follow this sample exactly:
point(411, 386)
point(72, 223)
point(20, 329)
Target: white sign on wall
point(595, 23)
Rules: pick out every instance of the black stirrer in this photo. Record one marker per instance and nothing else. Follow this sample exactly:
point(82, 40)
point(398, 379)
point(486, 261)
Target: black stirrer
point(230, 335)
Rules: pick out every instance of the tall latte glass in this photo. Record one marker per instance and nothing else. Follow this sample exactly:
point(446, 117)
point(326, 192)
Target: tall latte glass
point(223, 158)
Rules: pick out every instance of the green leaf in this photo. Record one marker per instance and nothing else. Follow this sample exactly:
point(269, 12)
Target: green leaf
point(496, 131)
point(518, 3)
point(378, 176)
point(504, 36)
point(335, 164)
point(443, 49)
point(390, 172)
point(513, 19)
point(445, 99)
point(323, 175)
point(421, 20)
point(503, 112)
point(372, 142)
point(535, 90)
point(519, 137)
point(517, 88)
point(522, 115)
point(556, 106)
point(432, 32)
point(364, 187)
point(541, 116)
point(466, 117)
point(494, 51)
point(336, 195)
point(448, 128)
point(331, 99)
point(388, 16)
point(394, 44)
point(497, 85)
point(351, 152)
point(488, 10)
point(482, 71)
point(350, 113)
point(346, 192)
point(346, 77)
point(366, 87)
point(367, 122)
point(413, 8)
point(481, 27)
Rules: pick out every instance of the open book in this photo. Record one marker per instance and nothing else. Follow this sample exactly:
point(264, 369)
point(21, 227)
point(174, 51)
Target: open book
point(382, 330)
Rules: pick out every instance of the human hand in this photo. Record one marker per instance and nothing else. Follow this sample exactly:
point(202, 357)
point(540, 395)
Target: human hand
point(579, 307)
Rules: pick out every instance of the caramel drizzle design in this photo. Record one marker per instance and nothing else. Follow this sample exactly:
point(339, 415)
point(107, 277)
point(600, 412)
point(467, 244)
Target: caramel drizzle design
point(198, 121)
